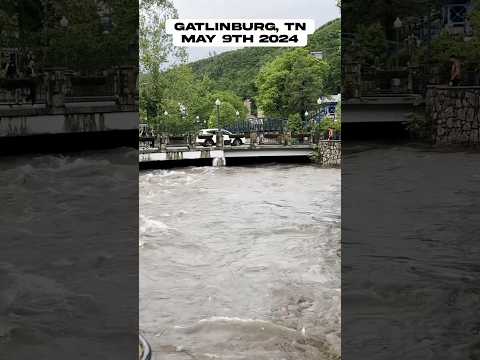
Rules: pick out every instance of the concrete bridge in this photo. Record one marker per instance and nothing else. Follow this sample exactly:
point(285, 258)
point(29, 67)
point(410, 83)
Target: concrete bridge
point(381, 116)
point(236, 155)
point(70, 120)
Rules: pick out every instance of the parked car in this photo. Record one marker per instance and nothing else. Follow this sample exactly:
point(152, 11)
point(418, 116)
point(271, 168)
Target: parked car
point(208, 137)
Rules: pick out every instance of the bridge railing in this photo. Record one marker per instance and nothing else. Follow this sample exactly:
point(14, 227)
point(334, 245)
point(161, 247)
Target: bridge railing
point(22, 91)
point(57, 86)
point(164, 141)
point(264, 132)
point(260, 125)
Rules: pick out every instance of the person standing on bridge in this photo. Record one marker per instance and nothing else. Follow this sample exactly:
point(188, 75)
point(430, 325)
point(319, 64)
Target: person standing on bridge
point(456, 71)
point(330, 133)
point(11, 68)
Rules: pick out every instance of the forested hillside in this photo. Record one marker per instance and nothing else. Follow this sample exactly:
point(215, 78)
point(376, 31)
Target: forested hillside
point(237, 70)
point(283, 82)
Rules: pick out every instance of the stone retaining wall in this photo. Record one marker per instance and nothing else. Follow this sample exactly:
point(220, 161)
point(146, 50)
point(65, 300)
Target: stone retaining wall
point(454, 112)
point(329, 153)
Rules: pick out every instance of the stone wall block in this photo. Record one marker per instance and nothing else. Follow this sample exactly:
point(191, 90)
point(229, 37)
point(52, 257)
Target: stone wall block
point(454, 111)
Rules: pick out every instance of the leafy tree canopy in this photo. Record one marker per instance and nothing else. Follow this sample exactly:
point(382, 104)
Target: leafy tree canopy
point(97, 34)
point(291, 83)
point(237, 70)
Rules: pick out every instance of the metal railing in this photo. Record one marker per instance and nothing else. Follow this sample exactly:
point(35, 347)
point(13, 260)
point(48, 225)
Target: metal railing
point(163, 142)
point(112, 86)
point(22, 91)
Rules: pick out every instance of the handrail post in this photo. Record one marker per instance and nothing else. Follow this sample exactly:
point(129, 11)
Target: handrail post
point(219, 140)
point(253, 139)
point(55, 85)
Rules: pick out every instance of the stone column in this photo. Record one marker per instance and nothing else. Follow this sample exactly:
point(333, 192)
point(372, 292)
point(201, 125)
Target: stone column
point(56, 89)
point(125, 85)
point(288, 138)
point(253, 139)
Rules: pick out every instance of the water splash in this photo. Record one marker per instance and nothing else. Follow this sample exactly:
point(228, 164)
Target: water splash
point(219, 162)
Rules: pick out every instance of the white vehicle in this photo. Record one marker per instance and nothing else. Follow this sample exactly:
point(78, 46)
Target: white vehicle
point(208, 137)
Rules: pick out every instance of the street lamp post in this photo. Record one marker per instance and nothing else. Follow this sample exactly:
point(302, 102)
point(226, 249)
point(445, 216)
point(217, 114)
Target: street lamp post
point(163, 138)
point(237, 113)
point(311, 126)
point(219, 133)
point(64, 25)
point(183, 113)
point(197, 129)
point(165, 123)
point(320, 103)
point(397, 25)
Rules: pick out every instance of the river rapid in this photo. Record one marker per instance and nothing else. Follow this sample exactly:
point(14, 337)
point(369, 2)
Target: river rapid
point(241, 262)
point(410, 252)
point(68, 254)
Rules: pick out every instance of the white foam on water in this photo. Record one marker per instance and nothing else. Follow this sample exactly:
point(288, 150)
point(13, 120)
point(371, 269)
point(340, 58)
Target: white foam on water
point(149, 225)
point(262, 324)
point(226, 268)
point(219, 162)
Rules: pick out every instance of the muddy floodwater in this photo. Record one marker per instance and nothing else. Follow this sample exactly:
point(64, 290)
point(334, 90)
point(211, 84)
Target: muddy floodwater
point(241, 262)
point(410, 252)
point(68, 256)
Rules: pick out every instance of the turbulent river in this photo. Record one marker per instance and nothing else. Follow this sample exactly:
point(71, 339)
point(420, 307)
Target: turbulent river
point(241, 262)
point(68, 249)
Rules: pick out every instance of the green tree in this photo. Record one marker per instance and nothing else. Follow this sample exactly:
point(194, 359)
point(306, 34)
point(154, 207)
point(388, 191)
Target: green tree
point(227, 116)
point(328, 123)
point(98, 34)
point(338, 112)
point(372, 44)
point(447, 44)
point(231, 103)
point(327, 39)
point(237, 70)
point(156, 47)
point(178, 88)
point(171, 90)
point(159, 89)
point(291, 83)
point(295, 124)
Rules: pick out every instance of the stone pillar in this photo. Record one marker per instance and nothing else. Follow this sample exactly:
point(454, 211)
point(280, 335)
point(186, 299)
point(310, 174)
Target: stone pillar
point(288, 138)
point(56, 89)
point(329, 153)
point(454, 113)
point(163, 142)
point(253, 139)
point(125, 87)
point(219, 140)
point(191, 141)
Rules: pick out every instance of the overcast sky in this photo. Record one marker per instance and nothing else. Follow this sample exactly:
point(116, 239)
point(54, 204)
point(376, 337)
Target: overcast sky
point(321, 11)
